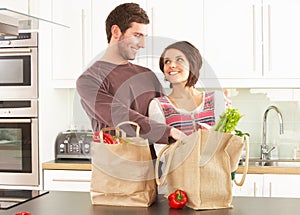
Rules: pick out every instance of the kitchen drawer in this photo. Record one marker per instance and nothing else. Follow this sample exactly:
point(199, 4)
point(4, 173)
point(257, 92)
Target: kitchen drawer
point(67, 180)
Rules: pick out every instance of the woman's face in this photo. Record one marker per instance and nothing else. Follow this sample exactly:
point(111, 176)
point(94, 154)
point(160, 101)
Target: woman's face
point(176, 66)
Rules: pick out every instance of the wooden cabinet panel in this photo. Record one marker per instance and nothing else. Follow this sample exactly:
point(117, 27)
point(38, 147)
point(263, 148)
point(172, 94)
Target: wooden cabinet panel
point(253, 186)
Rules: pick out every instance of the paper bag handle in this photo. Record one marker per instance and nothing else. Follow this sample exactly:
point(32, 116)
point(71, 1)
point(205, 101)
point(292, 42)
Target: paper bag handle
point(172, 151)
point(245, 170)
point(138, 128)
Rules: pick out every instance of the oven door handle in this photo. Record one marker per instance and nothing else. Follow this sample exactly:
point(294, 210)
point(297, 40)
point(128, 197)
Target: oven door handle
point(14, 51)
point(15, 120)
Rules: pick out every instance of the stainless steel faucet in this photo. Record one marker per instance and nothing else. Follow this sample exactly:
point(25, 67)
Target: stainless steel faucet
point(265, 150)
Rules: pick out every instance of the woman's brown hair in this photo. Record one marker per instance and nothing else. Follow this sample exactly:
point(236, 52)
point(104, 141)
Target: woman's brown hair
point(193, 56)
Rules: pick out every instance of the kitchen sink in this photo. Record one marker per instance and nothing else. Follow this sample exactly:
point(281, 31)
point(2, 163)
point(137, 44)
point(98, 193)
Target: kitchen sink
point(273, 162)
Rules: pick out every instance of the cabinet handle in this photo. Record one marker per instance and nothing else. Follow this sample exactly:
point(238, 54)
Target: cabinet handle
point(15, 120)
point(71, 180)
point(254, 36)
point(254, 188)
point(83, 37)
point(269, 38)
point(270, 189)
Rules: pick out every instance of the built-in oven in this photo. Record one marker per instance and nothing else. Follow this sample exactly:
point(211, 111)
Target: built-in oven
point(19, 142)
point(19, 66)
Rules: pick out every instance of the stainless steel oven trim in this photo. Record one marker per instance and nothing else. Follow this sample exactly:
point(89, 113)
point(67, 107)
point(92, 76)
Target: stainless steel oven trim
point(28, 42)
point(15, 51)
point(26, 179)
point(26, 92)
point(10, 112)
point(15, 120)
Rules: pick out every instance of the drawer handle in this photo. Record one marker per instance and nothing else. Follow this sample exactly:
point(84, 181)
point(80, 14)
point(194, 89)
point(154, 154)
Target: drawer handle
point(71, 180)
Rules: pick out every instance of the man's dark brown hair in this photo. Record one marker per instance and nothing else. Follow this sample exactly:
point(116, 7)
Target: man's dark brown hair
point(123, 15)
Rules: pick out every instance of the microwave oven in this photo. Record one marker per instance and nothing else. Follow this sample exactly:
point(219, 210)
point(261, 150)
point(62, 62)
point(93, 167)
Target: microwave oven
point(19, 66)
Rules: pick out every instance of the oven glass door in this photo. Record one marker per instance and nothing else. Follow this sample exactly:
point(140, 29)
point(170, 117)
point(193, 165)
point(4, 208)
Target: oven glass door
point(15, 67)
point(16, 146)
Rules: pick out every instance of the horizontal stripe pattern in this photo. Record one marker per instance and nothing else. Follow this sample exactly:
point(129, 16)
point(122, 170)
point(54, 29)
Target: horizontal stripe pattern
point(189, 122)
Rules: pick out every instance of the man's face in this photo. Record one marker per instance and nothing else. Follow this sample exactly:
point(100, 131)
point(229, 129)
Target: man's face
point(132, 40)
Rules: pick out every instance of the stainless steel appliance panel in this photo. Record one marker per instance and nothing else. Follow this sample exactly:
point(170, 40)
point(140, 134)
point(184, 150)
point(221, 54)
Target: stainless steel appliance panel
point(73, 144)
point(19, 66)
point(19, 144)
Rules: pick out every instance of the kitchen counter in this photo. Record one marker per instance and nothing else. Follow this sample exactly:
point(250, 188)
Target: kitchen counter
point(67, 165)
point(79, 203)
point(270, 170)
point(86, 165)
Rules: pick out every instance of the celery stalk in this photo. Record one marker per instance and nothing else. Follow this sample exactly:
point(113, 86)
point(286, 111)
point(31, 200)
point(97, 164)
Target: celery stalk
point(228, 120)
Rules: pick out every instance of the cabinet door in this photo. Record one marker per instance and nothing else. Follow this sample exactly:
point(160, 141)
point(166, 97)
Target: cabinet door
point(67, 180)
point(174, 21)
point(232, 39)
point(281, 38)
point(281, 185)
point(253, 186)
point(71, 48)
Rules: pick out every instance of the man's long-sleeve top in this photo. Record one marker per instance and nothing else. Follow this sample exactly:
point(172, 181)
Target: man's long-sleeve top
point(111, 94)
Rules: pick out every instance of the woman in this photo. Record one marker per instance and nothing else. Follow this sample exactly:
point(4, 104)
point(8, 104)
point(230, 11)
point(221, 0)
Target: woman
point(185, 107)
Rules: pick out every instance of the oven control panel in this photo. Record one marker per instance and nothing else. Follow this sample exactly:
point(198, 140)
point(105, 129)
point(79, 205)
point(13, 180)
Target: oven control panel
point(73, 145)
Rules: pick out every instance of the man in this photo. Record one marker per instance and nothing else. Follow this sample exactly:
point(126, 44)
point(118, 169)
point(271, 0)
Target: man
point(113, 90)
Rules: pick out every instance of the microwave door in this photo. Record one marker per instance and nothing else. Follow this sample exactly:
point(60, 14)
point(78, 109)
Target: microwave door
point(18, 73)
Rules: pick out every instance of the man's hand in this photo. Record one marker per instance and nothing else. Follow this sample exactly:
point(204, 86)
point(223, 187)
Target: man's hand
point(176, 134)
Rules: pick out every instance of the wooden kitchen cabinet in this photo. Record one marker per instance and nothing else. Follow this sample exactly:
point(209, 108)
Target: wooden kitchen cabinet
point(231, 40)
point(281, 185)
point(269, 185)
point(253, 186)
point(244, 44)
point(67, 180)
point(251, 43)
point(281, 38)
point(173, 21)
point(71, 47)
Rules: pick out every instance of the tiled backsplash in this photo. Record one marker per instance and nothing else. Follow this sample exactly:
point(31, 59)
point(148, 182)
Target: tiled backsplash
point(252, 104)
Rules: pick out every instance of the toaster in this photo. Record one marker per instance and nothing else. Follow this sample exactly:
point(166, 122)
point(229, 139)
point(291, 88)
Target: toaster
point(73, 144)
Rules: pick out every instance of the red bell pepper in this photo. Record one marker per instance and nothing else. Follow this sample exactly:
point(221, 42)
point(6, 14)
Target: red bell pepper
point(107, 138)
point(178, 199)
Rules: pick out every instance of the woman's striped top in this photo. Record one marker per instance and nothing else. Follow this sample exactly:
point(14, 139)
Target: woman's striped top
point(188, 122)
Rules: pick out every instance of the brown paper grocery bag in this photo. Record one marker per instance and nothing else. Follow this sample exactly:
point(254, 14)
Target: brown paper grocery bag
point(123, 174)
point(201, 165)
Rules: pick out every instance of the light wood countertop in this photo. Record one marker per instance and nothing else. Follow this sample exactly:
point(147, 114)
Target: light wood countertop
point(86, 165)
point(270, 170)
point(67, 165)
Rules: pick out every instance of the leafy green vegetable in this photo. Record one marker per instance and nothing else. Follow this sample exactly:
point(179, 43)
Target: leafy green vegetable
point(228, 120)
point(240, 133)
